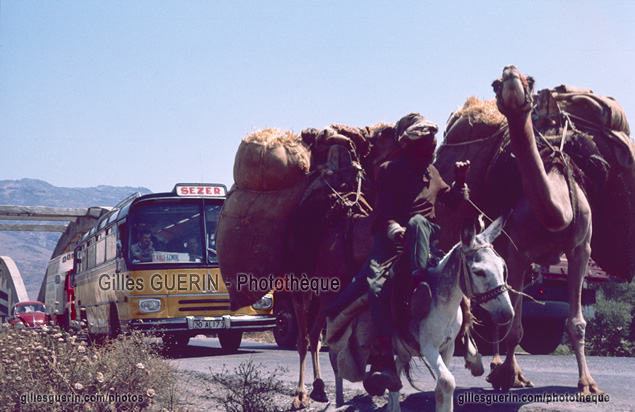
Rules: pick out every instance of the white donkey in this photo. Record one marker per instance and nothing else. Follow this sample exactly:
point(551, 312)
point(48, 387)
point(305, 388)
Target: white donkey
point(473, 269)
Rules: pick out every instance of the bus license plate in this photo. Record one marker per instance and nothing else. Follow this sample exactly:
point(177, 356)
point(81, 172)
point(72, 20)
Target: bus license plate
point(207, 324)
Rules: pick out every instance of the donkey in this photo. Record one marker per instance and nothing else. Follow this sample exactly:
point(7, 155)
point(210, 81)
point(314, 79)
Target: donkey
point(471, 269)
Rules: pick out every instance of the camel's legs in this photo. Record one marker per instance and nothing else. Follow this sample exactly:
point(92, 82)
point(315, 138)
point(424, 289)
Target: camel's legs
point(315, 340)
point(578, 261)
point(300, 305)
point(508, 374)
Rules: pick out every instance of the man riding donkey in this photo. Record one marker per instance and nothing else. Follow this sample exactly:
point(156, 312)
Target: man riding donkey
point(407, 189)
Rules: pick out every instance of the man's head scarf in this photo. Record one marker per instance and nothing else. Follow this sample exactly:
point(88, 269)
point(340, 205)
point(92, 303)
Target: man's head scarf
point(414, 127)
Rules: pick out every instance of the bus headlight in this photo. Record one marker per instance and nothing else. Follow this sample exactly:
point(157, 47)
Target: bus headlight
point(265, 303)
point(150, 305)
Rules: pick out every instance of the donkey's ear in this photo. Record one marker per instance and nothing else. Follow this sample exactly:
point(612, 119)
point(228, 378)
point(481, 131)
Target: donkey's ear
point(468, 233)
point(496, 228)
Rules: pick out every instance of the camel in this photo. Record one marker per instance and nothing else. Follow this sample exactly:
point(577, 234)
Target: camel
point(340, 228)
point(553, 216)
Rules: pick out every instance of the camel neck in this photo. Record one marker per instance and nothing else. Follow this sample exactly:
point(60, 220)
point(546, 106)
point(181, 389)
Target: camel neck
point(550, 210)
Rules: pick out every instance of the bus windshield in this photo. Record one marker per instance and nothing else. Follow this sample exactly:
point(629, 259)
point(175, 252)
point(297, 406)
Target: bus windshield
point(212, 213)
point(172, 232)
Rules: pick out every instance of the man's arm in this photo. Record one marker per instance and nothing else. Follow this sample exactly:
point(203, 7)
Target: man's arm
point(453, 196)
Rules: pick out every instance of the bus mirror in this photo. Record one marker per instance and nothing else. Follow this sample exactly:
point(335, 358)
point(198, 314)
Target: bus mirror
point(119, 249)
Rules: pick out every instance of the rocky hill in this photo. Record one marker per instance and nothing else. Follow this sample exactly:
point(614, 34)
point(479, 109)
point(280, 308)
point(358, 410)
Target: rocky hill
point(31, 251)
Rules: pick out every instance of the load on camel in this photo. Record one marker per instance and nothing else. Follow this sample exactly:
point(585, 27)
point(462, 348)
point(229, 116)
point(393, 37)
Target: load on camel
point(563, 161)
point(316, 224)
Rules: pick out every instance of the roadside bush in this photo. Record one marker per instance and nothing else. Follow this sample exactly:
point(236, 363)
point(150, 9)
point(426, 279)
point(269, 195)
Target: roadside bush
point(247, 390)
point(612, 332)
point(52, 370)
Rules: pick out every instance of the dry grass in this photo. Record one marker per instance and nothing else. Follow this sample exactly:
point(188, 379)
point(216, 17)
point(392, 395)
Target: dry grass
point(481, 111)
point(273, 137)
point(249, 388)
point(121, 375)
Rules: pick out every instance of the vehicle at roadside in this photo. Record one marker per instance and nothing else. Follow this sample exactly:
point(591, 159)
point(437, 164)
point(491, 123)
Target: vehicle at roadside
point(60, 295)
point(544, 319)
point(29, 314)
point(150, 264)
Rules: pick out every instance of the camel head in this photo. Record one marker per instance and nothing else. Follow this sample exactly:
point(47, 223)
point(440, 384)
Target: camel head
point(513, 91)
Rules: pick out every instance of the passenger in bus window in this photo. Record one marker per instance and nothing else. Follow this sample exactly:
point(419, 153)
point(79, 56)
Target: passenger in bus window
point(142, 250)
point(193, 247)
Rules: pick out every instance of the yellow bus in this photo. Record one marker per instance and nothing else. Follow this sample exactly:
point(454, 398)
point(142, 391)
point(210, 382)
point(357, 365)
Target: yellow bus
point(150, 264)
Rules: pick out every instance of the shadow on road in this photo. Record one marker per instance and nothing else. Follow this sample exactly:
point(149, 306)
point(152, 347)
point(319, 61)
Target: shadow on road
point(193, 351)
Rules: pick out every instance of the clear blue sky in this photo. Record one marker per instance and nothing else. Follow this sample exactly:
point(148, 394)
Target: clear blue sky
point(150, 93)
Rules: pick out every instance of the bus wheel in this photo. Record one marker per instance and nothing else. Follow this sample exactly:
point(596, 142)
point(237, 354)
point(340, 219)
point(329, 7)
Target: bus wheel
point(286, 331)
point(230, 340)
point(542, 336)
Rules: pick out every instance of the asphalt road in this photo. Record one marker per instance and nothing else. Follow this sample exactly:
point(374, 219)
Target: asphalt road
point(554, 376)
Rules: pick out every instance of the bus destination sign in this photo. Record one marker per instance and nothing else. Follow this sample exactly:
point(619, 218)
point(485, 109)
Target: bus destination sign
point(201, 190)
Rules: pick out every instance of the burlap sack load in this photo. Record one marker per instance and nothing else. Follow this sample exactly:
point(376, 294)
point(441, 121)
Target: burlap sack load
point(270, 159)
point(269, 171)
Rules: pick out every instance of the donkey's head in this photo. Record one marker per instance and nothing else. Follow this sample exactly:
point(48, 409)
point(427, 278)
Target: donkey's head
point(484, 273)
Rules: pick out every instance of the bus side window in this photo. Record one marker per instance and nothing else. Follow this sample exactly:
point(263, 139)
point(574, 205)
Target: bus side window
point(122, 244)
point(77, 267)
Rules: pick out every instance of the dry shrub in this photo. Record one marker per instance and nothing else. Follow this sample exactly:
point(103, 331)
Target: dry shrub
point(250, 388)
point(121, 375)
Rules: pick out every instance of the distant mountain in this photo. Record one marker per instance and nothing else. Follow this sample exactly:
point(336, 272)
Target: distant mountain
point(32, 251)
